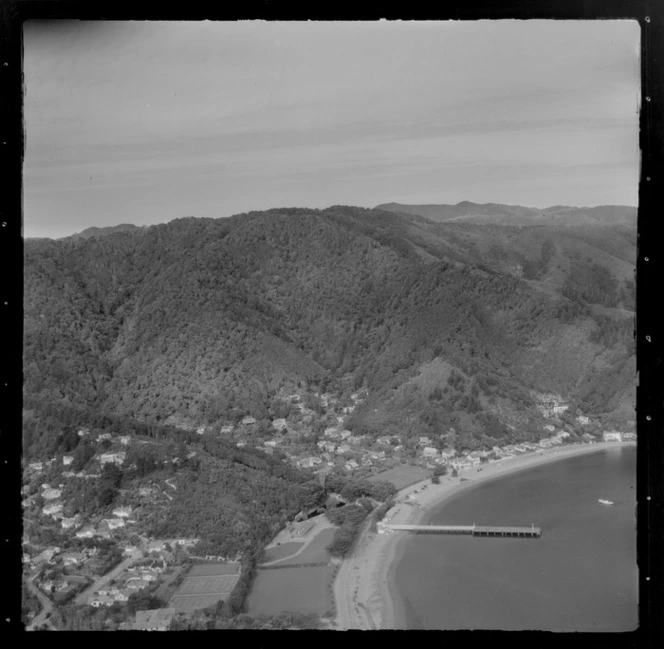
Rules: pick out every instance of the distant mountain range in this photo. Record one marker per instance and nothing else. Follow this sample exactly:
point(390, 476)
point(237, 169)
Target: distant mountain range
point(101, 232)
point(561, 215)
point(453, 317)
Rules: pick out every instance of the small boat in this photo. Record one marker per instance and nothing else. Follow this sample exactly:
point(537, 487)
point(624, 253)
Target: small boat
point(605, 502)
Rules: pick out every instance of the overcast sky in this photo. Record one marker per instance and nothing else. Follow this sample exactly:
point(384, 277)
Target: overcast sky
point(139, 122)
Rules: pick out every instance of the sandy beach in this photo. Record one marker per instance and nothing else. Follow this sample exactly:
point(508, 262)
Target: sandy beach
point(361, 589)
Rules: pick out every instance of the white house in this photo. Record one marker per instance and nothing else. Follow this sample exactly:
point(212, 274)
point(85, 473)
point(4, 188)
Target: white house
point(122, 512)
point(279, 424)
point(51, 494)
point(67, 460)
point(68, 523)
point(430, 451)
point(583, 420)
point(114, 523)
point(351, 465)
point(115, 458)
point(51, 509)
point(225, 430)
point(125, 439)
point(248, 421)
point(345, 434)
point(425, 441)
point(86, 533)
point(102, 436)
point(343, 448)
point(36, 466)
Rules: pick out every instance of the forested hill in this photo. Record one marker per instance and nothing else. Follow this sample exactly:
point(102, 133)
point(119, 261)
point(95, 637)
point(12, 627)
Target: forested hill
point(448, 325)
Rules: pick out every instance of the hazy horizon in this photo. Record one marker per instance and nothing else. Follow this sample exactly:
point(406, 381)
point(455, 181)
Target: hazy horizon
point(143, 123)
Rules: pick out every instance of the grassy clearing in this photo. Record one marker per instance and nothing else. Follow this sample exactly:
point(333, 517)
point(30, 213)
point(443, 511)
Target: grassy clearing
point(300, 590)
point(282, 551)
point(402, 476)
point(315, 552)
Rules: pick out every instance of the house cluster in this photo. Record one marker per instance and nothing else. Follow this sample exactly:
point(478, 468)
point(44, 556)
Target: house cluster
point(551, 405)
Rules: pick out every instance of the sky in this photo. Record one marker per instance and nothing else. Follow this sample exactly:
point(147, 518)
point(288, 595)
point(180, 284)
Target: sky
point(145, 122)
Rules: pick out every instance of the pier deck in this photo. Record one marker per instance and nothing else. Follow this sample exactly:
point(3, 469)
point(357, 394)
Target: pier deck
point(471, 530)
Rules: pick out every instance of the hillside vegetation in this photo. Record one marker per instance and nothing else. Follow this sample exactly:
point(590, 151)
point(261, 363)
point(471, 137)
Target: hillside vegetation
point(448, 324)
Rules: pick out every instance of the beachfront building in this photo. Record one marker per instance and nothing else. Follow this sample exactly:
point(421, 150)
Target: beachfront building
point(612, 436)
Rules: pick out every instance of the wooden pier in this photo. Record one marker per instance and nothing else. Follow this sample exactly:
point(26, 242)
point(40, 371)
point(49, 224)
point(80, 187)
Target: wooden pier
point(470, 530)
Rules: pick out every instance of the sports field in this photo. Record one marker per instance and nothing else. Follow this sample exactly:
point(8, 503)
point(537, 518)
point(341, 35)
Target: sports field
point(300, 590)
point(205, 585)
point(402, 476)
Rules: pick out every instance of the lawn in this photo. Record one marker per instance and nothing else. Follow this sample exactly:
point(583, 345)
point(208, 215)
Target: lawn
point(315, 552)
point(402, 476)
point(300, 590)
point(282, 551)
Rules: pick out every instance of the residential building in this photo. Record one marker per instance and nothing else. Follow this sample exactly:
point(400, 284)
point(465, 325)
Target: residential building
point(51, 494)
point(584, 421)
point(343, 448)
point(383, 440)
point(115, 458)
point(332, 432)
point(248, 421)
point(68, 523)
point(122, 512)
point(225, 430)
point(67, 460)
point(628, 437)
point(351, 465)
point(125, 439)
point(430, 451)
point(271, 443)
point(612, 436)
point(83, 432)
point(86, 533)
point(114, 523)
point(345, 434)
point(544, 443)
point(36, 466)
point(425, 441)
point(51, 509)
point(101, 437)
point(279, 424)
point(377, 455)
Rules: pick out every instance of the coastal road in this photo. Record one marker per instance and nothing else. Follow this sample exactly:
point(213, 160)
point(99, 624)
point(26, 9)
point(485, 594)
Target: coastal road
point(82, 597)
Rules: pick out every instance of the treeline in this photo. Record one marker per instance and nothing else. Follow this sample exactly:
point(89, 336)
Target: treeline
point(349, 520)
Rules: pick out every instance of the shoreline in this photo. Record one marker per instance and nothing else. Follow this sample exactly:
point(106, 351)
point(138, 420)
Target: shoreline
point(365, 583)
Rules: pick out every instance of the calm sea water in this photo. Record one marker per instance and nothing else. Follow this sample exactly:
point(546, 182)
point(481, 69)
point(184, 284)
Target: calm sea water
point(581, 575)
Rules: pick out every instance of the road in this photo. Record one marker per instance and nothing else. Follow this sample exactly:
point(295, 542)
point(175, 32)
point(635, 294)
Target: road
point(47, 606)
point(82, 597)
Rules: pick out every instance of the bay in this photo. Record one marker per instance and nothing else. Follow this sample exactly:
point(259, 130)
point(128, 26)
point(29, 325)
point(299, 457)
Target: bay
point(581, 575)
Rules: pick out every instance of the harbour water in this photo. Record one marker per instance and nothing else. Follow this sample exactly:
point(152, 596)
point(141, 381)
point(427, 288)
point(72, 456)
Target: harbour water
point(581, 575)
